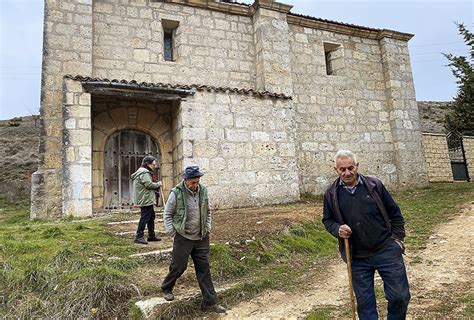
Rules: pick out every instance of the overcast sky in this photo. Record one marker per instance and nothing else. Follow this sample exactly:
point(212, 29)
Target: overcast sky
point(432, 23)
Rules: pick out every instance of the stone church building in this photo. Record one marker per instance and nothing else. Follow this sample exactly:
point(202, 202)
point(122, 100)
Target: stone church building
point(257, 96)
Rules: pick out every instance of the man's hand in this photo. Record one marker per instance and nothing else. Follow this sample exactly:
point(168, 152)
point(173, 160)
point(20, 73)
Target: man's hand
point(345, 231)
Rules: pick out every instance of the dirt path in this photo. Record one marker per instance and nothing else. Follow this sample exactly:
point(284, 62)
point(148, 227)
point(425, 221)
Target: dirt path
point(439, 275)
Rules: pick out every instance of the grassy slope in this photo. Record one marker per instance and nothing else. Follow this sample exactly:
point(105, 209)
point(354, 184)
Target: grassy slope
point(70, 269)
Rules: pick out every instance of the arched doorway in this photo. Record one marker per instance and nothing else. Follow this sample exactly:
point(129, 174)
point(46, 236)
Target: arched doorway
point(123, 155)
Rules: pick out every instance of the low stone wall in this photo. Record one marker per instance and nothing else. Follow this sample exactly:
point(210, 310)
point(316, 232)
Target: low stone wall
point(469, 152)
point(438, 164)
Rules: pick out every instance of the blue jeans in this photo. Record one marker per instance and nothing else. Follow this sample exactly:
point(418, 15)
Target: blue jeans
point(389, 264)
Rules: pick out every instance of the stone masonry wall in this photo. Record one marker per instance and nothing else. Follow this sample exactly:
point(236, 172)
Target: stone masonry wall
point(468, 143)
point(76, 151)
point(67, 49)
point(244, 144)
point(438, 164)
point(403, 111)
point(343, 111)
point(213, 48)
point(256, 149)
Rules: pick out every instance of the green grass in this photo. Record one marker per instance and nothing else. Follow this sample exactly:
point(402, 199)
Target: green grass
point(425, 208)
point(61, 269)
point(68, 269)
point(468, 300)
point(320, 314)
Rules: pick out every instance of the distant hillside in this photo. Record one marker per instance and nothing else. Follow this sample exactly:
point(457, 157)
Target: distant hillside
point(432, 115)
point(19, 140)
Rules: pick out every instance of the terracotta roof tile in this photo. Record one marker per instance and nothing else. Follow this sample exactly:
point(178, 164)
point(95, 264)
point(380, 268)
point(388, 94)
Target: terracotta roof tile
point(199, 87)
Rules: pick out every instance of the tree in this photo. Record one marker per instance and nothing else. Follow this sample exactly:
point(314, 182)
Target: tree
point(460, 122)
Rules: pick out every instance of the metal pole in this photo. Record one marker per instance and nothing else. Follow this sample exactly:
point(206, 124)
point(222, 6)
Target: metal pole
point(465, 160)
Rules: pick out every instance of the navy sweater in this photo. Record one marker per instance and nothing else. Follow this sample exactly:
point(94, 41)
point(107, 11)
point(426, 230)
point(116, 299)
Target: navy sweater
point(391, 217)
point(359, 211)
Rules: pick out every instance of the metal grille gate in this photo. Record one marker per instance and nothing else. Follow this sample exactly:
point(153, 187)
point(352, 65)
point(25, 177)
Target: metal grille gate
point(457, 156)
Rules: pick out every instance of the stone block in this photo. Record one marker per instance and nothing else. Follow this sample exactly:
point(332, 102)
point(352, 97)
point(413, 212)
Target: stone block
point(141, 55)
point(194, 133)
point(79, 137)
point(236, 150)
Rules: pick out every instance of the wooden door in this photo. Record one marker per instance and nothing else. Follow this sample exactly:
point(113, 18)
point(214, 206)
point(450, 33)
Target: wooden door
point(123, 155)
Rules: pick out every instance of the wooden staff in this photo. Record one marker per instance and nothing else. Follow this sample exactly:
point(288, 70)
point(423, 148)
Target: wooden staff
point(162, 196)
point(349, 272)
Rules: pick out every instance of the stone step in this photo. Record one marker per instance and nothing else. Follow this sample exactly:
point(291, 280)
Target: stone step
point(159, 220)
point(164, 253)
point(127, 233)
point(155, 305)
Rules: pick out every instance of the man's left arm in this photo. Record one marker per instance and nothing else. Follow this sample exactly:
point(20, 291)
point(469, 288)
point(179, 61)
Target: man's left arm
point(208, 218)
point(394, 214)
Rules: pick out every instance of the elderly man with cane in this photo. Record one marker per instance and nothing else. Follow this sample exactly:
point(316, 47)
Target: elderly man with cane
point(359, 208)
point(187, 218)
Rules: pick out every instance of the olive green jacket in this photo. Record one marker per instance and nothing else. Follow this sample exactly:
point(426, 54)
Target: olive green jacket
point(175, 213)
point(144, 188)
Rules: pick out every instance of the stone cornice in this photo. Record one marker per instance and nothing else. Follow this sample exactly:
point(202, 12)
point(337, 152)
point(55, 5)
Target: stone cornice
point(385, 33)
point(232, 8)
point(270, 5)
point(295, 19)
point(348, 29)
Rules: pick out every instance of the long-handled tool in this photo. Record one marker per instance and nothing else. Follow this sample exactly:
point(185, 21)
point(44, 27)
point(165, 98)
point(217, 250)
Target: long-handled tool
point(349, 272)
point(162, 197)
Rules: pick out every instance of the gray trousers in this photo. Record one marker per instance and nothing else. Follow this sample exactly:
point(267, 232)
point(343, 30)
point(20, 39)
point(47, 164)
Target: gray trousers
point(199, 251)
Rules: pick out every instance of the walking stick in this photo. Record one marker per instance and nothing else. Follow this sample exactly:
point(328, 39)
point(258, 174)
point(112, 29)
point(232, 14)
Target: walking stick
point(349, 272)
point(162, 197)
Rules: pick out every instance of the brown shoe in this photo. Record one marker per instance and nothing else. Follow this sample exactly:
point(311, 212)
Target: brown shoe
point(213, 308)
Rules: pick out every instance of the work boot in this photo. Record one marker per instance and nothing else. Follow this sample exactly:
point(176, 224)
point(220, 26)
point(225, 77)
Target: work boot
point(169, 296)
point(140, 240)
point(153, 239)
point(213, 308)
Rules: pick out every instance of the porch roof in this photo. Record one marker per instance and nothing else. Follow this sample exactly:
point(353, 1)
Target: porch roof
point(182, 90)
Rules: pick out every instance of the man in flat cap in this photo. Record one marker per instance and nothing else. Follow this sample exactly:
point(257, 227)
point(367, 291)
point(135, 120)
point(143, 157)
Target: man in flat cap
point(187, 218)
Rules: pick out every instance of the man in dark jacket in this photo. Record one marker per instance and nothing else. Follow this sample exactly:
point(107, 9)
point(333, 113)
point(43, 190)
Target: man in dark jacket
point(187, 218)
point(361, 209)
point(145, 198)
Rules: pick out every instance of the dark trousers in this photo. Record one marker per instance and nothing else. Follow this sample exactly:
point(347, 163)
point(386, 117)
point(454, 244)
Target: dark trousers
point(147, 219)
point(199, 251)
point(389, 264)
